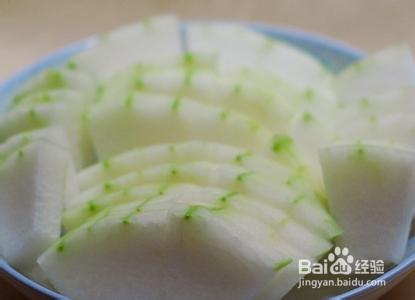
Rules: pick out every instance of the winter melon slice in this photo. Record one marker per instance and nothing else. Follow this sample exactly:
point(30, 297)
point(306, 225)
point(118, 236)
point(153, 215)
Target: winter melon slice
point(228, 92)
point(370, 190)
point(241, 48)
point(68, 116)
point(146, 119)
point(182, 253)
point(390, 69)
point(141, 158)
point(33, 186)
point(154, 40)
point(295, 198)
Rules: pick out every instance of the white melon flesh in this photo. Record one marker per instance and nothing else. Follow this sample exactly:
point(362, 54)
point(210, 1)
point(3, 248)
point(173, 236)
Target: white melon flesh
point(53, 135)
point(139, 159)
point(387, 70)
point(68, 96)
point(56, 80)
point(224, 91)
point(146, 119)
point(240, 48)
point(33, 182)
point(155, 40)
point(385, 118)
point(293, 197)
point(185, 254)
point(370, 190)
point(68, 116)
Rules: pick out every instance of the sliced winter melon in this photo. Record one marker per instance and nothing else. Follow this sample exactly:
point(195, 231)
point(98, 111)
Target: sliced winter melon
point(52, 135)
point(33, 185)
point(154, 40)
point(187, 253)
point(370, 190)
point(240, 48)
point(387, 70)
point(227, 92)
point(56, 79)
point(291, 195)
point(141, 158)
point(383, 118)
point(146, 119)
point(68, 116)
point(68, 96)
point(156, 255)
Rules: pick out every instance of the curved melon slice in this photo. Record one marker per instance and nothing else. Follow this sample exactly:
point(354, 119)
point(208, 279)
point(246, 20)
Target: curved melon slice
point(370, 190)
point(240, 48)
point(33, 185)
point(139, 159)
point(387, 70)
point(182, 254)
point(53, 135)
point(289, 195)
point(67, 96)
point(57, 79)
point(383, 118)
point(154, 40)
point(68, 116)
point(146, 119)
point(226, 92)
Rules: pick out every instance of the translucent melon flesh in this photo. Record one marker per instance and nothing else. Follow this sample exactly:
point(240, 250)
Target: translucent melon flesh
point(55, 83)
point(59, 114)
point(153, 40)
point(240, 48)
point(183, 251)
point(385, 118)
point(146, 119)
point(370, 191)
point(228, 92)
point(33, 185)
point(390, 69)
point(141, 158)
point(293, 197)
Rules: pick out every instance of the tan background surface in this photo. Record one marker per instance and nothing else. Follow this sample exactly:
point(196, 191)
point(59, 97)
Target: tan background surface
point(31, 29)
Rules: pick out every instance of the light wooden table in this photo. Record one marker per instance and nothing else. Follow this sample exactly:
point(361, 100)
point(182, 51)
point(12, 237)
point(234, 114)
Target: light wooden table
point(31, 29)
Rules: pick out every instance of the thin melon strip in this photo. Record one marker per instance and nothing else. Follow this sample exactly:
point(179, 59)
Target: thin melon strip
point(198, 247)
point(390, 69)
point(207, 86)
point(241, 48)
point(141, 158)
point(298, 200)
point(156, 40)
point(68, 116)
point(146, 119)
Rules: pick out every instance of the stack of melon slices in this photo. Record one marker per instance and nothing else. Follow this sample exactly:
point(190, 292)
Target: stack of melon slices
point(195, 174)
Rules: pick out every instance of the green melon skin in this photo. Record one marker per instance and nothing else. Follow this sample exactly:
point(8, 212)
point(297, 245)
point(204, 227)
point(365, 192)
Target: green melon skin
point(34, 184)
point(370, 191)
point(297, 200)
point(185, 249)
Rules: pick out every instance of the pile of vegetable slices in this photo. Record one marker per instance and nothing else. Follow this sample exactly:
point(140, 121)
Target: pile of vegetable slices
point(149, 168)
